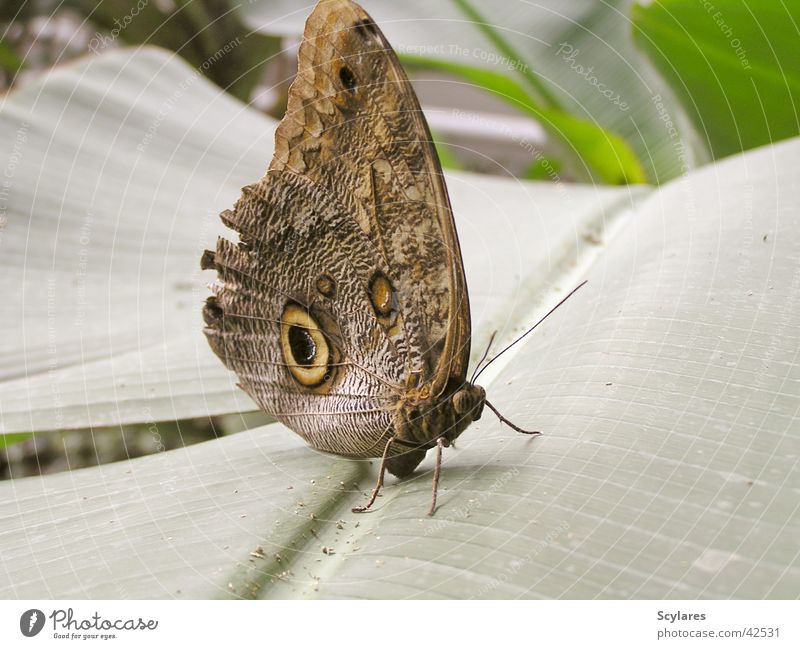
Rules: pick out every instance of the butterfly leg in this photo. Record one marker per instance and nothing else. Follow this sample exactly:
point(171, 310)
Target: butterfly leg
point(379, 484)
point(437, 469)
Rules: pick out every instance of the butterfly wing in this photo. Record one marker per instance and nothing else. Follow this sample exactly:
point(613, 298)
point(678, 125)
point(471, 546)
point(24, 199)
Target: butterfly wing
point(353, 125)
point(291, 317)
point(347, 288)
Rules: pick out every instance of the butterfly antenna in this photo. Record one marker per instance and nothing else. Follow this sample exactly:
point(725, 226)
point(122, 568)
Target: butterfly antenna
point(513, 425)
point(503, 351)
point(483, 358)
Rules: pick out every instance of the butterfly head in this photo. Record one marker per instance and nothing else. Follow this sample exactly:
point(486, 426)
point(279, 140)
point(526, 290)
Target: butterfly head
point(468, 401)
point(422, 419)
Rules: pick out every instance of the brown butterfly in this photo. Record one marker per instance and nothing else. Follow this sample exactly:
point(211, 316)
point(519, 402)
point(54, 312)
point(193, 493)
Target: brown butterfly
point(343, 308)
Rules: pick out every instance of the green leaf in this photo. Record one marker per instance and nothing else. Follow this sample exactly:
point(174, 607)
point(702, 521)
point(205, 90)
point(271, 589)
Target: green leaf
point(501, 85)
point(9, 61)
point(447, 157)
point(14, 438)
point(733, 65)
point(512, 56)
point(597, 151)
point(542, 169)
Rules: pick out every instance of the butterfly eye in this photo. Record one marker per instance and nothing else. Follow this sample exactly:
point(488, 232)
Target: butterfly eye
point(461, 402)
point(469, 401)
point(305, 348)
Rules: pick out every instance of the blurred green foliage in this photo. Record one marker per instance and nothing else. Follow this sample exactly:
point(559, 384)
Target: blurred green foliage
point(197, 30)
point(200, 31)
point(13, 438)
point(734, 66)
point(597, 153)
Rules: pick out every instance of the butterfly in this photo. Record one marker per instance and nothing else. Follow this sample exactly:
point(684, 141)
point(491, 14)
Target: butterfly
point(343, 307)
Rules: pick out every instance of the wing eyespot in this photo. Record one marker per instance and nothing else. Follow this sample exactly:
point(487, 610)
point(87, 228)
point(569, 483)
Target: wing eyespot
point(348, 79)
point(302, 346)
point(305, 348)
point(366, 29)
point(326, 285)
point(384, 301)
point(382, 295)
